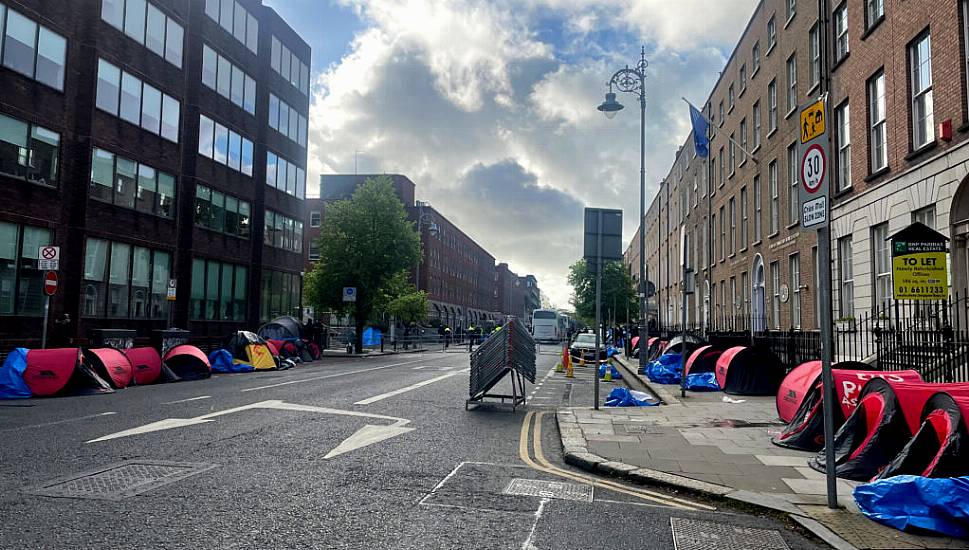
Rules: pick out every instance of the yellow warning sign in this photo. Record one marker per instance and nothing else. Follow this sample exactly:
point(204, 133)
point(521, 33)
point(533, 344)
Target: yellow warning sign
point(812, 121)
point(920, 276)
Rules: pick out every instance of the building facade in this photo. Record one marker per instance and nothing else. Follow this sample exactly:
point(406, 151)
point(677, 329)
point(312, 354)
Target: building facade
point(147, 140)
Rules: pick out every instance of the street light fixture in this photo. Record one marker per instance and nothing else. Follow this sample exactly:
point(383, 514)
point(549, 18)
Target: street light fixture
point(423, 220)
point(633, 81)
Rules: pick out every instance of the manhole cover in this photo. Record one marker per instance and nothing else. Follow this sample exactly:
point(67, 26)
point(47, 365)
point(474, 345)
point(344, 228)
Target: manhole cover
point(549, 489)
point(690, 534)
point(119, 481)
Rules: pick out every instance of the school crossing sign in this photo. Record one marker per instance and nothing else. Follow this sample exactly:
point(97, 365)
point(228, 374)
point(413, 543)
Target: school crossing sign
point(919, 269)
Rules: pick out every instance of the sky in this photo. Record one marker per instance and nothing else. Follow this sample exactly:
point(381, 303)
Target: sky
point(489, 106)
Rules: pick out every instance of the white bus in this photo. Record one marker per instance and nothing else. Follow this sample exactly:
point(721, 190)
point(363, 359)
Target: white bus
point(547, 326)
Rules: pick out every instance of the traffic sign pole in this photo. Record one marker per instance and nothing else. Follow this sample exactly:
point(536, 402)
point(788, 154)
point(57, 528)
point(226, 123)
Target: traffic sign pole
point(43, 337)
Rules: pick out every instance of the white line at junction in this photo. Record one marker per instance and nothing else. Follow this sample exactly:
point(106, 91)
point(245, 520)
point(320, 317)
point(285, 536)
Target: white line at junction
point(383, 396)
point(187, 400)
point(65, 421)
point(324, 377)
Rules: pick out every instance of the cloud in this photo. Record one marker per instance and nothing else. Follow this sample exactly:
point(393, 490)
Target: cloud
point(489, 107)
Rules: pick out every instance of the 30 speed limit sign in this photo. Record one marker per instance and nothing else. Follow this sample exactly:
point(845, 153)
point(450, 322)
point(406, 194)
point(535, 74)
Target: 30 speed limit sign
point(813, 168)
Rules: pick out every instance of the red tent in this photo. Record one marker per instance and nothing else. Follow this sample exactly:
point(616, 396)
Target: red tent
point(801, 380)
point(147, 366)
point(111, 365)
point(704, 359)
point(938, 448)
point(888, 415)
point(188, 362)
point(805, 430)
point(61, 371)
point(749, 371)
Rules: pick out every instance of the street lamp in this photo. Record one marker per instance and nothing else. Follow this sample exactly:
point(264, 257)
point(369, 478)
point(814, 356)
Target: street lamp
point(423, 220)
point(633, 81)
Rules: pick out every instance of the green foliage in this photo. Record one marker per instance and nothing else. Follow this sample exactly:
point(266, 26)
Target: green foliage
point(366, 242)
point(617, 288)
point(401, 299)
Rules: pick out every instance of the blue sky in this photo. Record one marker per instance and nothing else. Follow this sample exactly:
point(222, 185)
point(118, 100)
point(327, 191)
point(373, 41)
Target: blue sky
point(489, 106)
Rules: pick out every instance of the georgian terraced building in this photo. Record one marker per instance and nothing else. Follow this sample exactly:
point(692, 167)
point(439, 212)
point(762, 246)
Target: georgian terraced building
point(151, 140)
point(897, 76)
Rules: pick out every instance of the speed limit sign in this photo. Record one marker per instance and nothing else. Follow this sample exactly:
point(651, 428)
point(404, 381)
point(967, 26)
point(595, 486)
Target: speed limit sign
point(813, 154)
point(813, 168)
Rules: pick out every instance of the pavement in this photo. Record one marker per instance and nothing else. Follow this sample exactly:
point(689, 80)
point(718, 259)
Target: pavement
point(704, 445)
point(344, 453)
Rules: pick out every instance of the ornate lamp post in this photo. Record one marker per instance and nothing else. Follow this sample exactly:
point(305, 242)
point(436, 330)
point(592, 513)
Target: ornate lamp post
point(423, 220)
point(633, 81)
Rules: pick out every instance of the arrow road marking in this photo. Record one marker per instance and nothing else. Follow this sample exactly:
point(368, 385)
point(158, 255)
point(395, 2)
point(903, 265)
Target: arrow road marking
point(367, 435)
point(383, 396)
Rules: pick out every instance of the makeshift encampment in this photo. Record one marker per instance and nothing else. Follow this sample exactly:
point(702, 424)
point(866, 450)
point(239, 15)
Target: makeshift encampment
point(146, 365)
point(703, 359)
point(281, 328)
point(801, 380)
point(701, 381)
point(188, 362)
point(749, 371)
point(654, 348)
point(805, 430)
point(665, 370)
point(887, 416)
point(12, 385)
point(111, 365)
point(61, 371)
point(676, 344)
point(623, 397)
point(940, 505)
point(938, 448)
point(221, 361)
point(249, 348)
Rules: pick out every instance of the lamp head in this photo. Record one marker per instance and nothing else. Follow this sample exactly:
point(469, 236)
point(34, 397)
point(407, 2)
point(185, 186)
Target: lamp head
point(433, 229)
point(610, 106)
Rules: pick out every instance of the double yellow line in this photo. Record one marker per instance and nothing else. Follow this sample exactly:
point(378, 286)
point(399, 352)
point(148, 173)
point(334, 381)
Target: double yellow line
point(542, 464)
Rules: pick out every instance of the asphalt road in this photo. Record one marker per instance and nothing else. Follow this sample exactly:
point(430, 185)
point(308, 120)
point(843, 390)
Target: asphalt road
point(284, 463)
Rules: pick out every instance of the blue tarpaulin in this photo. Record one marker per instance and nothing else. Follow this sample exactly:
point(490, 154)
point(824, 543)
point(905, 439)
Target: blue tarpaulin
point(372, 336)
point(934, 504)
point(624, 397)
point(702, 381)
point(221, 361)
point(665, 370)
point(612, 369)
point(12, 385)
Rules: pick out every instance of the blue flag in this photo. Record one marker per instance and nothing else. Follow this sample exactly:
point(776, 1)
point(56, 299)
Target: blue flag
point(700, 141)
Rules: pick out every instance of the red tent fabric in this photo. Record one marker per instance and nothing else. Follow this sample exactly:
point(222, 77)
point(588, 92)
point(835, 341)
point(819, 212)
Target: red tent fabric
point(749, 371)
point(188, 362)
point(111, 365)
point(703, 359)
point(146, 365)
point(274, 346)
point(61, 371)
point(802, 380)
point(938, 448)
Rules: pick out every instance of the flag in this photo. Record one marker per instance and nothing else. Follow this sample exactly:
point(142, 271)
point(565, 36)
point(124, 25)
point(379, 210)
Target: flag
point(700, 141)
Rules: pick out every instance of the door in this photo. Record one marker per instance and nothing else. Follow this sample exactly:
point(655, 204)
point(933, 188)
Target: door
point(758, 297)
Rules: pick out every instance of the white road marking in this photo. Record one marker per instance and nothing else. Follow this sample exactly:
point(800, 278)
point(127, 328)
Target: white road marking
point(65, 421)
point(527, 545)
point(367, 435)
point(187, 400)
point(324, 377)
point(412, 387)
point(442, 482)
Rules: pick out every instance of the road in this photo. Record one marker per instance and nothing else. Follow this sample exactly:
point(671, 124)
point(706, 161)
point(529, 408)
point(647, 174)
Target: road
point(348, 453)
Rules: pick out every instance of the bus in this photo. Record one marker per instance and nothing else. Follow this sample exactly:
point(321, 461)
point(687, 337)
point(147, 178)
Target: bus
point(548, 326)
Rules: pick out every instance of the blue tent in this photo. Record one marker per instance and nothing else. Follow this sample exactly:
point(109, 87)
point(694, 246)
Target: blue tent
point(221, 361)
point(372, 336)
point(12, 385)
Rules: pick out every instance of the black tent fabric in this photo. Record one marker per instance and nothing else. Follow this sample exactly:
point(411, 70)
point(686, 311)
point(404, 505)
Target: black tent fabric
point(676, 344)
point(281, 328)
point(938, 448)
point(188, 363)
point(745, 370)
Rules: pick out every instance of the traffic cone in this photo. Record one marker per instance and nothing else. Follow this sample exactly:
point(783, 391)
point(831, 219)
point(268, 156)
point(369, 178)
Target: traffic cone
point(581, 361)
point(568, 366)
point(607, 377)
point(558, 367)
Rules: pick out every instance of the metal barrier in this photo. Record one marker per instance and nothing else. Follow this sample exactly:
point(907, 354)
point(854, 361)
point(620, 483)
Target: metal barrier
point(510, 351)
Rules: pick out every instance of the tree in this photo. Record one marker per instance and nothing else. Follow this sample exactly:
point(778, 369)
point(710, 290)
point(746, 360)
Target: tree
point(365, 242)
point(618, 291)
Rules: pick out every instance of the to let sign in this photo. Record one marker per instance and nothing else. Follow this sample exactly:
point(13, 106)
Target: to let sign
point(919, 270)
point(813, 172)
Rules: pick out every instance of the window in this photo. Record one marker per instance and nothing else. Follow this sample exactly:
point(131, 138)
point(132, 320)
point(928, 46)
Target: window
point(713, 241)
point(734, 299)
point(733, 226)
point(756, 117)
point(285, 176)
point(228, 80)
point(280, 295)
point(771, 34)
point(743, 218)
point(841, 32)
point(29, 152)
point(925, 216)
point(743, 141)
point(124, 281)
point(315, 218)
point(881, 266)
point(290, 67)
point(755, 58)
point(126, 183)
point(722, 173)
point(287, 120)
point(235, 20)
point(846, 287)
point(775, 303)
point(774, 201)
point(723, 235)
point(314, 253)
point(21, 282)
point(119, 279)
point(920, 57)
point(965, 41)
point(218, 291)
point(224, 146)
point(874, 12)
point(733, 153)
point(878, 136)
point(730, 98)
point(795, 268)
point(771, 106)
point(721, 113)
point(792, 197)
point(842, 122)
point(221, 213)
point(757, 208)
point(791, 6)
point(792, 83)
point(283, 232)
point(815, 43)
point(147, 25)
point(743, 78)
point(139, 103)
point(33, 50)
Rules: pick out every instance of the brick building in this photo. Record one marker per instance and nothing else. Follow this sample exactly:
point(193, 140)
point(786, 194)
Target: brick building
point(151, 141)
point(900, 69)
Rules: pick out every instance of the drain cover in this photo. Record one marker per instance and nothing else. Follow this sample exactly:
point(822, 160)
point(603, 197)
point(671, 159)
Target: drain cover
point(549, 489)
point(119, 480)
point(690, 534)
